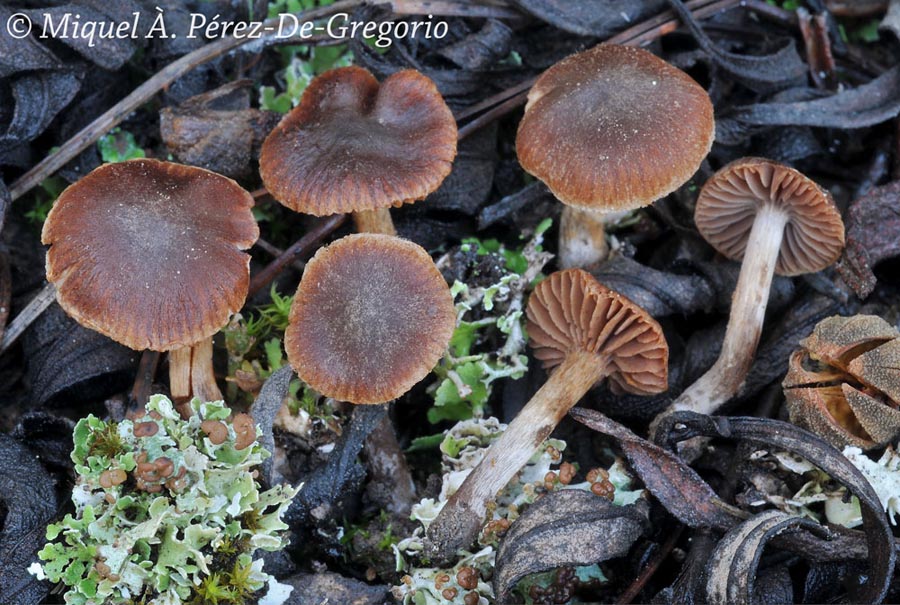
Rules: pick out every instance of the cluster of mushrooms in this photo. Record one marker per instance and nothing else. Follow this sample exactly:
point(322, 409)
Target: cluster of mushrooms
point(152, 254)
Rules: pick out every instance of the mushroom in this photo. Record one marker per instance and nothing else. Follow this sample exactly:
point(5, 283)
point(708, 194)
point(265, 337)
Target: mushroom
point(149, 253)
point(588, 333)
point(352, 145)
point(371, 318)
point(778, 221)
point(611, 129)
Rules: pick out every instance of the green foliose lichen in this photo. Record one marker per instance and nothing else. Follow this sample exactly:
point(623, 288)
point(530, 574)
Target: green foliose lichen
point(168, 511)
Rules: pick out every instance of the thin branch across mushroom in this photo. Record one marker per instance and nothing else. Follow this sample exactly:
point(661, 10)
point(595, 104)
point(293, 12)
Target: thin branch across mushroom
point(587, 333)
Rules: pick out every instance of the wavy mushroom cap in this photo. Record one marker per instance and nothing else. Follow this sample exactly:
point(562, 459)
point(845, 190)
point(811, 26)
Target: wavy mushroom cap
point(149, 252)
point(728, 203)
point(371, 318)
point(572, 311)
point(352, 145)
point(614, 128)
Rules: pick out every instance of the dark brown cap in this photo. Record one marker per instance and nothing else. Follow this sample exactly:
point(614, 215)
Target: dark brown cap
point(614, 128)
point(352, 145)
point(371, 318)
point(730, 199)
point(572, 311)
point(149, 253)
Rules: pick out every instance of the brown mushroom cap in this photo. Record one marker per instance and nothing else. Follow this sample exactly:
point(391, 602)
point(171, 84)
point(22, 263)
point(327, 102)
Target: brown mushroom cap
point(371, 318)
point(149, 253)
point(614, 128)
point(572, 311)
point(730, 199)
point(351, 145)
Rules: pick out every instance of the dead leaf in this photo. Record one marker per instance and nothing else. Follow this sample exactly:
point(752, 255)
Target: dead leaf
point(597, 18)
point(28, 497)
point(568, 527)
point(873, 235)
point(732, 567)
point(675, 484)
point(785, 436)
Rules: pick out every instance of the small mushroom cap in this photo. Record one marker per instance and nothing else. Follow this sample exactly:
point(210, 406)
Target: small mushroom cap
point(352, 145)
point(572, 311)
point(614, 128)
point(728, 203)
point(371, 318)
point(149, 253)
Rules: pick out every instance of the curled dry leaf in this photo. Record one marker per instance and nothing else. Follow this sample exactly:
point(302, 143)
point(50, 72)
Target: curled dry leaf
point(568, 527)
point(326, 490)
point(880, 549)
point(860, 107)
point(732, 566)
point(265, 407)
point(659, 293)
point(5, 287)
point(844, 382)
point(28, 497)
point(675, 484)
point(873, 234)
point(598, 18)
point(69, 364)
point(776, 70)
point(217, 130)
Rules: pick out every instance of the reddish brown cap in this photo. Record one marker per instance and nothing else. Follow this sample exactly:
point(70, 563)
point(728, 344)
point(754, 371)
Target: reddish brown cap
point(149, 253)
point(614, 128)
point(728, 202)
point(371, 318)
point(351, 145)
point(572, 311)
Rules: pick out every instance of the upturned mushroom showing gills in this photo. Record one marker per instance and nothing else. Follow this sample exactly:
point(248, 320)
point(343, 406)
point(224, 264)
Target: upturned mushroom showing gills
point(778, 221)
point(371, 318)
point(352, 145)
point(611, 129)
point(587, 333)
point(150, 254)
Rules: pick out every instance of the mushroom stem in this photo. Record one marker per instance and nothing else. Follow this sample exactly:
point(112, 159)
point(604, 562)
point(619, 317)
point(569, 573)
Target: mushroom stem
point(203, 378)
point(191, 372)
point(748, 310)
point(582, 238)
point(180, 373)
point(458, 523)
point(374, 221)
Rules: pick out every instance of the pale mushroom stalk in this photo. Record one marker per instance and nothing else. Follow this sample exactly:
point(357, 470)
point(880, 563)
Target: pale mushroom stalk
point(588, 333)
point(374, 221)
point(582, 238)
point(467, 508)
point(745, 323)
point(774, 220)
point(191, 372)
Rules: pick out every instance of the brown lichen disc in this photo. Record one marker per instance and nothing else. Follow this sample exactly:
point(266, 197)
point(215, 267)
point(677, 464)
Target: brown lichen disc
point(351, 145)
point(614, 128)
point(571, 311)
point(730, 199)
point(149, 253)
point(371, 318)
